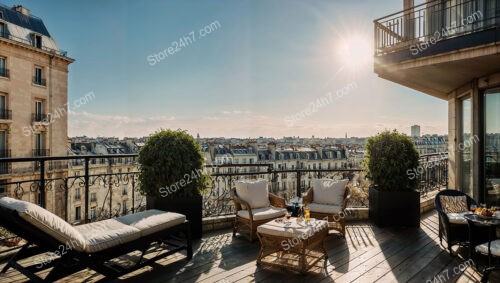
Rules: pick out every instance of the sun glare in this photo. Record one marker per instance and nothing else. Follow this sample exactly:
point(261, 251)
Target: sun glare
point(355, 52)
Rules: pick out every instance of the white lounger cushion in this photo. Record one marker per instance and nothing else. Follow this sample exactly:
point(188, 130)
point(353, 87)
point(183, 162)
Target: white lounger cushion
point(495, 248)
point(152, 221)
point(97, 236)
point(325, 208)
point(328, 191)
point(45, 220)
point(263, 213)
point(106, 234)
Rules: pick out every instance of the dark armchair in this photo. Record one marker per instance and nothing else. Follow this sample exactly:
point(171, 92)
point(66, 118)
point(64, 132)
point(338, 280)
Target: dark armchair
point(453, 227)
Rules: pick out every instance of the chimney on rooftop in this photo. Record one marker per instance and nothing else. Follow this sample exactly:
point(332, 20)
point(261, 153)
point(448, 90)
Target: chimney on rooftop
point(21, 9)
point(272, 148)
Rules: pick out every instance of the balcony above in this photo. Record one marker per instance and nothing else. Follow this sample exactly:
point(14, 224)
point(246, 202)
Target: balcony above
point(5, 114)
point(39, 117)
point(438, 47)
point(4, 72)
point(39, 81)
point(41, 152)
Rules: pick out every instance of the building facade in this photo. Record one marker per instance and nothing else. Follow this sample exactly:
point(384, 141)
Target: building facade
point(280, 157)
point(450, 50)
point(33, 89)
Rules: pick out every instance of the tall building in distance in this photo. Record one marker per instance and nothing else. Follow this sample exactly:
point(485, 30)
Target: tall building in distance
point(33, 83)
point(415, 131)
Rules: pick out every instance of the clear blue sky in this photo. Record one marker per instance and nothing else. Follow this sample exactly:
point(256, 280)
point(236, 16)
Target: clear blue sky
point(268, 60)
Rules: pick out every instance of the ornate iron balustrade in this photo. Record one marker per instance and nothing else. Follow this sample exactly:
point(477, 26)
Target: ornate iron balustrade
point(432, 173)
point(285, 183)
point(52, 177)
point(112, 173)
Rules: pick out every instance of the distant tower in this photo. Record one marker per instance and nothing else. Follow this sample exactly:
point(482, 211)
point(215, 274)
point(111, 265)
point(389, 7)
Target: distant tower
point(415, 131)
point(345, 135)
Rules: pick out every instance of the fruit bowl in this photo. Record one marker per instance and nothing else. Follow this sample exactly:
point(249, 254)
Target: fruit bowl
point(485, 212)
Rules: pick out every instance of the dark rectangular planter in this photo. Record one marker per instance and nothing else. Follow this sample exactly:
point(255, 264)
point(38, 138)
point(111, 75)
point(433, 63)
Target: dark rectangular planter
point(191, 207)
point(394, 208)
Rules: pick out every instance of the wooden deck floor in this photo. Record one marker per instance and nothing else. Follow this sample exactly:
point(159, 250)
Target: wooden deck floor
point(367, 254)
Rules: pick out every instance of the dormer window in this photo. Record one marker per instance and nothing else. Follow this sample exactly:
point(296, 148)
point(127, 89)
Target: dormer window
point(37, 41)
point(3, 29)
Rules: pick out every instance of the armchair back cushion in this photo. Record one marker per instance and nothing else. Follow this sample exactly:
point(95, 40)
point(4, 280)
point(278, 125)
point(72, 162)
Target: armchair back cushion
point(328, 191)
point(45, 221)
point(255, 193)
point(454, 204)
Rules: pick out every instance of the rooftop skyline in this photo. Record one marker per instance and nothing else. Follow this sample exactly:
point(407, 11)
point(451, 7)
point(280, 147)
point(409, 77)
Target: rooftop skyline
point(254, 74)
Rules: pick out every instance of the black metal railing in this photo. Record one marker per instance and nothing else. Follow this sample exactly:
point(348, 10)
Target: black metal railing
point(5, 168)
point(433, 21)
point(39, 117)
point(5, 34)
point(64, 186)
point(287, 183)
point(4, 72)
point(39, 81)
point(5, 114)
point(432, 173)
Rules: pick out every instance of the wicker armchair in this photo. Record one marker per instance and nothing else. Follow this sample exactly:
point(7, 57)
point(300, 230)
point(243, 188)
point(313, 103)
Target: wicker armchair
point(248, 219)
point(454, 228)
point(336, 218)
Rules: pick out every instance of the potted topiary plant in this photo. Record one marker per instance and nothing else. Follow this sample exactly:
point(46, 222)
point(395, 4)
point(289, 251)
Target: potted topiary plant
point(393, 196)
point(171, 175)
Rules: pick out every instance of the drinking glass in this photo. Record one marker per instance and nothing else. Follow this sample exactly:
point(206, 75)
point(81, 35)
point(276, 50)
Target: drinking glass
point(473, 208)
point(287, 217)
point(307, 215)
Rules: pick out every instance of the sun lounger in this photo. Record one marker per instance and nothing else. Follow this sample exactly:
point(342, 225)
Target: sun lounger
point(95, 245)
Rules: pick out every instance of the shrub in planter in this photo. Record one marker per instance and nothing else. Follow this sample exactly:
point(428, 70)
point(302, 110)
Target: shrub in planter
point(393, 199)
point(171, 175)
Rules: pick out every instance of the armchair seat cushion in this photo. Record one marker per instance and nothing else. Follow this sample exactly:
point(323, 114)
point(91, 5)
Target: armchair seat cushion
point(152, 221)
point(457, 218)
point(106, 234)
point(263, 213)
point(255, 193)
point(328, 191)
point(325, 208)
point(495, 248)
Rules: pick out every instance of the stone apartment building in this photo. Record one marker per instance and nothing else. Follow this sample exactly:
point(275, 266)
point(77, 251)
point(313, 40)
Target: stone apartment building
point(280, 156)
point(33, 89)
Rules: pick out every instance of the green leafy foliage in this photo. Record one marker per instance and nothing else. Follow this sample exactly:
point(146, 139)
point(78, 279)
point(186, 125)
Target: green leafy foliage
point(168, 158)
point(389, 155)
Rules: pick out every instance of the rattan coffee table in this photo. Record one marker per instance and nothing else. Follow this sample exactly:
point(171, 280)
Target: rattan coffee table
point(295, 246)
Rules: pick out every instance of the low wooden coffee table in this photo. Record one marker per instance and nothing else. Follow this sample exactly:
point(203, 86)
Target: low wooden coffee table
point(294, 246)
